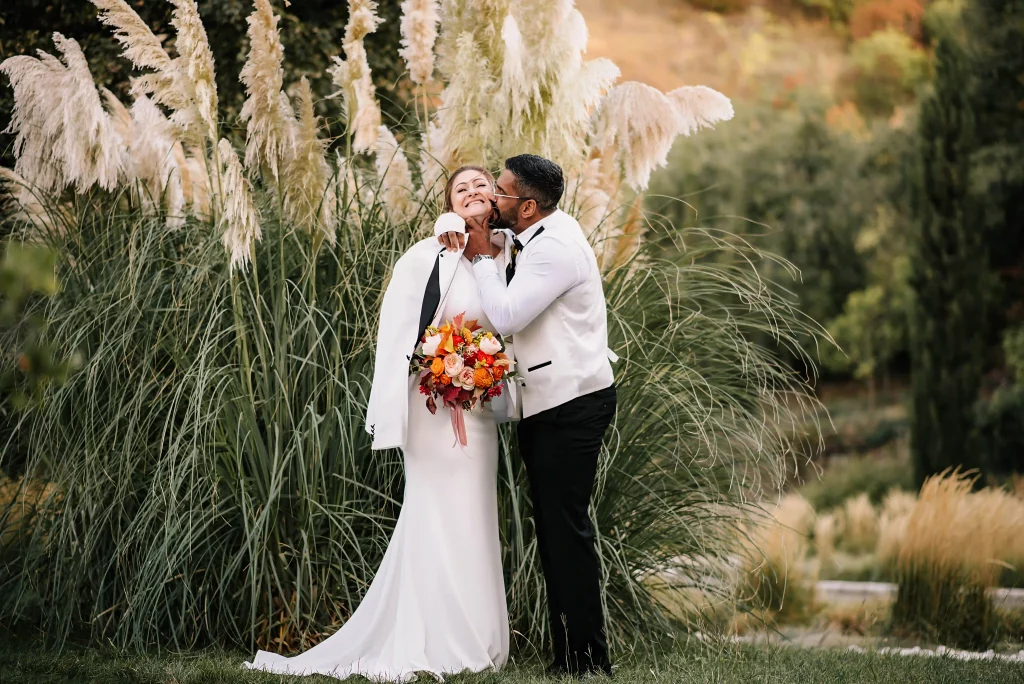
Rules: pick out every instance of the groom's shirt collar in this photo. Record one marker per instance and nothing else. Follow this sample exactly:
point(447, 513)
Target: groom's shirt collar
point(525, 236)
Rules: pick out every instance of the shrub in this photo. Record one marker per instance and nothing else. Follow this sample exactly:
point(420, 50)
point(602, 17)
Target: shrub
point(943, 18)
point(857, 618)
point(845, 477)
point(955, 544)
point(887, 69)
point(999, 426)
point(721, 6)
point(1013, 351)
point(837, 10)
point(877, 15)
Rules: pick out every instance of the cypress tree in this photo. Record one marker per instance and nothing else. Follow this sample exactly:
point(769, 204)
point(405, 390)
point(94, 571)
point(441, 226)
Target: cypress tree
point(949, 275)
point(995, 40)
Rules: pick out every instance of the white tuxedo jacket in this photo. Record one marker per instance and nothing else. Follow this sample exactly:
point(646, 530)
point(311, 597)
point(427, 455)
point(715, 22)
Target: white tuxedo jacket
point(399, 330)
point(562, 351)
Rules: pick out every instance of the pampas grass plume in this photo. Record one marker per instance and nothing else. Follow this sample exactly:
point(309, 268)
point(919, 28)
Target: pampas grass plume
point(144, 50)
point(239, 219)
point(194, 49)
point(467, 123)
point(308, 174)
point(63, 136)
point(419, 32)
point(396, 186)
point(153, 160)
point(352, 76)
point(639, 123)
point(699, 107)
point(266, 111)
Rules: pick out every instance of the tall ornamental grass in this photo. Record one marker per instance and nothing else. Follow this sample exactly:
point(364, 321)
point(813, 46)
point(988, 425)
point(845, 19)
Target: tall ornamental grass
point(949, 552)
point(773, 584)
point(207, 475)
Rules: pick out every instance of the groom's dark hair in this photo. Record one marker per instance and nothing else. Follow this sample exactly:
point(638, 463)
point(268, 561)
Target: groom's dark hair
point(539, 179)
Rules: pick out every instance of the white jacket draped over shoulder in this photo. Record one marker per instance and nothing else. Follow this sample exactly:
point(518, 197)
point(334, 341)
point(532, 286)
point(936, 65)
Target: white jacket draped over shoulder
point(399, 331)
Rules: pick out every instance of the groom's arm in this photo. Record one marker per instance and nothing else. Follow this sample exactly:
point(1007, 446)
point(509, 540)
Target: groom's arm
point(549, 271)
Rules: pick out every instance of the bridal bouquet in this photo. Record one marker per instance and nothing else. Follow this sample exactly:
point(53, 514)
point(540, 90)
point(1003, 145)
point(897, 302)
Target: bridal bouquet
point(461, 366)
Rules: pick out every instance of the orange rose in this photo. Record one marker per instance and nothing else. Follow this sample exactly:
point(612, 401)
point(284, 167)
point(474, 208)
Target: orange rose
point(446, 379)
point(497, 371)
point(437, 366)
point(482, 378)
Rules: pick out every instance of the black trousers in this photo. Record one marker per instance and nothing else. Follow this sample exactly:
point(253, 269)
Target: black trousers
point(560, 447)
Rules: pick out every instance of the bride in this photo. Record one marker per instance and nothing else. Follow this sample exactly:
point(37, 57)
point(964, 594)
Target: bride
point(437, 603)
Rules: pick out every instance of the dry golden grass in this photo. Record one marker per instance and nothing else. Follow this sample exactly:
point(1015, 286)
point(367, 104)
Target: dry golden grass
point(857, 618)
point(892, 524)
point(953, 527)
point(772, 582)
point(859, 532)
point(20, 501)
point(955, 544)
point(1017, 485)
point(898, 503)
point(825, 529)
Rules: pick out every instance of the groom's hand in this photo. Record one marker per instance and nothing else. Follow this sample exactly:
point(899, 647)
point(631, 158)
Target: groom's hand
point(452, 241)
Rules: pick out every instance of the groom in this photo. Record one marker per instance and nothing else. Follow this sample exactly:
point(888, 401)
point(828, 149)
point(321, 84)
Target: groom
point(549, 302)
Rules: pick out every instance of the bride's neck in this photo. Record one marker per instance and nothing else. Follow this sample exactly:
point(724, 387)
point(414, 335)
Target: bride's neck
point(476, 221)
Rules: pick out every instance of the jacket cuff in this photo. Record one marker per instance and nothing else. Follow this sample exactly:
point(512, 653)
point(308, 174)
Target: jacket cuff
point(449, 222)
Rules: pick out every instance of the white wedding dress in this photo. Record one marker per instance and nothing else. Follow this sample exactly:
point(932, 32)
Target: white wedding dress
point(437, 603)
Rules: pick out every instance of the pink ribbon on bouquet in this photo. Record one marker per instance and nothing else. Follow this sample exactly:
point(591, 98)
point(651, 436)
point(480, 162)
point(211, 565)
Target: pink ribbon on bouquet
point(459, 426)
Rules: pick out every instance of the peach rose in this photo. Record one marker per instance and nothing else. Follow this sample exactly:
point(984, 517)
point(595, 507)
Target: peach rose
point(453, 364)
point(466, 380)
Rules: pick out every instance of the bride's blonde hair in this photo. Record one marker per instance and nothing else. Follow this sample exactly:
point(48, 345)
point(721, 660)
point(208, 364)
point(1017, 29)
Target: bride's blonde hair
point(451, 181)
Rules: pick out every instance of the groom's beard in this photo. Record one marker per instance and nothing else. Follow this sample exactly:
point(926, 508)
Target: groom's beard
point(506, 219)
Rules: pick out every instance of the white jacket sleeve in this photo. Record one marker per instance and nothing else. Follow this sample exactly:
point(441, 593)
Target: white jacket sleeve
point(449, 223)
point(388, 407)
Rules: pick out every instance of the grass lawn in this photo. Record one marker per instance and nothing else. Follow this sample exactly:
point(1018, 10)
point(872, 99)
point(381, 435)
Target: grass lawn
point(742, 665)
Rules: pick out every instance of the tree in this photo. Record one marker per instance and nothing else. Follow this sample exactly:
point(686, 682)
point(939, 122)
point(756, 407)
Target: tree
point(949, 275)
point(995, 34)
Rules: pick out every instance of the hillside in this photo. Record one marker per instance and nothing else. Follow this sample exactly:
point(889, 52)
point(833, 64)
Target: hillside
point(668, 43)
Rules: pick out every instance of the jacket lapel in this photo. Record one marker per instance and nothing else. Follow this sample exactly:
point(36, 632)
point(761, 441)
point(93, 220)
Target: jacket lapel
point(447, 263)
point(438, 286)
point(431, 298)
